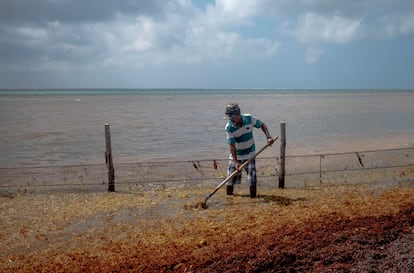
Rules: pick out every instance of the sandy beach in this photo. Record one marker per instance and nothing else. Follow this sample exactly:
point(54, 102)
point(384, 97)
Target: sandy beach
point(347, 228)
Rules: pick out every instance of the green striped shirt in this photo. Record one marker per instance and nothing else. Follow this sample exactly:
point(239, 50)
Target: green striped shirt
point(243, 136)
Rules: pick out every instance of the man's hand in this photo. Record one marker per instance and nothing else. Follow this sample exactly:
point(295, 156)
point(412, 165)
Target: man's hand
point(270, 141)
point(234, 156)
point(237, 165)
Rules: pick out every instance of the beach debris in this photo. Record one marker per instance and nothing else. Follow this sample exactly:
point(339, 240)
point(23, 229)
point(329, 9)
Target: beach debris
point(202, 243)
point(196, 165)
point(360, 160)
point(199, 205)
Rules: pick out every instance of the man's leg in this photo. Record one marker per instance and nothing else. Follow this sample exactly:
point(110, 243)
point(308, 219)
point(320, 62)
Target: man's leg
point(235, 180)
point(252, 178)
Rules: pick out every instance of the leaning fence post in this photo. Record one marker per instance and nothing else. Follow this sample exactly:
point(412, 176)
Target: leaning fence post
point(282, 154)
point(108, 159)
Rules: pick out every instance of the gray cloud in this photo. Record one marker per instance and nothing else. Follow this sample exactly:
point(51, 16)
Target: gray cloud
point(328, 7)
point(137, 33)
point(75, 11)
point(38, 33)
point(80, 35)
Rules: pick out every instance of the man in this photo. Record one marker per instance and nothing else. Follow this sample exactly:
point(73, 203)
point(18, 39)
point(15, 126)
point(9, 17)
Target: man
point(239, 131)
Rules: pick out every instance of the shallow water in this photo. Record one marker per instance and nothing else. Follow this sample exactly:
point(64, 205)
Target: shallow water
point(64, 128)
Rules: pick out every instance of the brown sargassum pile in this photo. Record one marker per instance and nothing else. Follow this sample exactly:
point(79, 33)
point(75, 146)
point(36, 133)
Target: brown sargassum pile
point(345, 228)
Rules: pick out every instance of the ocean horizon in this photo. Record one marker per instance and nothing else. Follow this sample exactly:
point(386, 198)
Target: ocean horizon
point(69, 91)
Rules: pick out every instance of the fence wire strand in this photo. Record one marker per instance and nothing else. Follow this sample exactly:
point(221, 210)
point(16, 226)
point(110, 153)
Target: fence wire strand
point(384, 166)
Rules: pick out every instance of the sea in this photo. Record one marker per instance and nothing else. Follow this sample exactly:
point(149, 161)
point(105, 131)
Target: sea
point(62, 127)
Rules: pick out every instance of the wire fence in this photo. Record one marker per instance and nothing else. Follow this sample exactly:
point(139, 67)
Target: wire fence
point(387, 167)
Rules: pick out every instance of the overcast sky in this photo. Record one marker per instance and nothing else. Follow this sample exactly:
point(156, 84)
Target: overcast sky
point(207, 44)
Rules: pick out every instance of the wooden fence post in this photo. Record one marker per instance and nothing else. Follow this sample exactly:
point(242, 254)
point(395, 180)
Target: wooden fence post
point(282, 154)
point(108, 159)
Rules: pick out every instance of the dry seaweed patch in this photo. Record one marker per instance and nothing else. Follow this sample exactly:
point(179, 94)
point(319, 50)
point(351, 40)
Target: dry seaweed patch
point(319, 229)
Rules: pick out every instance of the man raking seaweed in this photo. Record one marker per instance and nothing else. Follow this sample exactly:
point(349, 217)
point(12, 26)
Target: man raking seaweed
point(239, 132)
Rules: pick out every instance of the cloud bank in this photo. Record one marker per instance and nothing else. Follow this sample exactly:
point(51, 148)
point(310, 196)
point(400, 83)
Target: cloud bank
point(73, 34)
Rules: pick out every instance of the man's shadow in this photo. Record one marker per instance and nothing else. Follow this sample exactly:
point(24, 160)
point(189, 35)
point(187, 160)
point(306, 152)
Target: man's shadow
point(275, 199)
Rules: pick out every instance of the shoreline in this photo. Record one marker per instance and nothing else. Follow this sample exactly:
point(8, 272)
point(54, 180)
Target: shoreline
point(385, 166)
point(293, 149)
